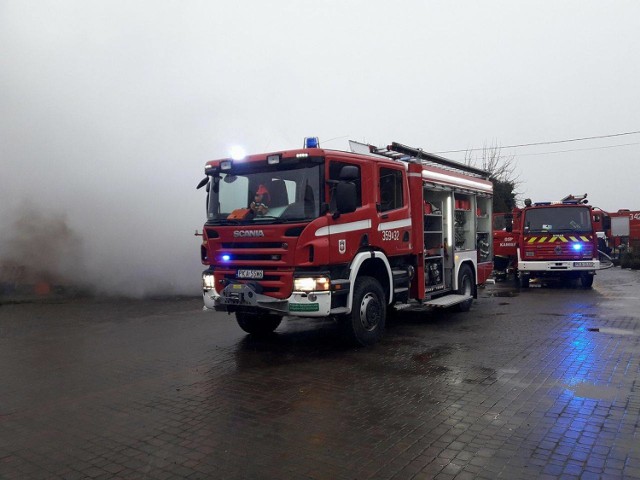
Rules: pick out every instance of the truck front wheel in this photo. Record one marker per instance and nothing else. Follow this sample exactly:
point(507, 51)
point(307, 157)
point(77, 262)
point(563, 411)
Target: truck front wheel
point(586, 279)
point(365, 324)
point(258, 323)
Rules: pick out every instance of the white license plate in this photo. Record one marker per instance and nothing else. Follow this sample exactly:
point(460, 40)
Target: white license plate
point(583, 264)
point(254, 274)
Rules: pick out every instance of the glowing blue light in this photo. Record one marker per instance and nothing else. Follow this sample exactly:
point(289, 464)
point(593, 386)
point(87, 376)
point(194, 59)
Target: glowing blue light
point(577, 247)
point(311, 142)
point(226, 257)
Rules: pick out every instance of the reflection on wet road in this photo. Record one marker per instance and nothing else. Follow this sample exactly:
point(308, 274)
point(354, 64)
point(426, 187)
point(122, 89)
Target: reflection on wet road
point(528, 383)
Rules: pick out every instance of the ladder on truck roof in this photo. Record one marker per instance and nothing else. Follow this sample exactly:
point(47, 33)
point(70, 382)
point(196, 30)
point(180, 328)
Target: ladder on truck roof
point(397, 151)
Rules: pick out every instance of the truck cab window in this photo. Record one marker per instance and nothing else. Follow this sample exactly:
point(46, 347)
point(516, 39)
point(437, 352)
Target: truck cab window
point(391, 196)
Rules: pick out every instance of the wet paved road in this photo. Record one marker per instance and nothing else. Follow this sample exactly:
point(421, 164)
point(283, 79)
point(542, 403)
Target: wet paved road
point(539, 383)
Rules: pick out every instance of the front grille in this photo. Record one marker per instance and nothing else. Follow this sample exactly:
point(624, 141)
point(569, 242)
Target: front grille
point(252, 253)
point(566, 251)
point(249, 245)
point(256, 256)
point(557, 247)
point(270, 257)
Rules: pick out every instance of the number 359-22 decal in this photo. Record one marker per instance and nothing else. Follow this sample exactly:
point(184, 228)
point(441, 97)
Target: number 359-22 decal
point(388, 235)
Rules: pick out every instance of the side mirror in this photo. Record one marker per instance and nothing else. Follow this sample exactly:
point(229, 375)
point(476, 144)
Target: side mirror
point(202, 183)
point(606, 222)
point(346, 197)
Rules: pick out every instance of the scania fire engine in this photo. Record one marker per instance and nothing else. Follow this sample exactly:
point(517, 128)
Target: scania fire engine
point(549, 240)
point(326, 233)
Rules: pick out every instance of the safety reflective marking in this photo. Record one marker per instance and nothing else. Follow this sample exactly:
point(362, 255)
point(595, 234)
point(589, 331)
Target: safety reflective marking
point(345, 227)
point(396, 224)
point(560, 238)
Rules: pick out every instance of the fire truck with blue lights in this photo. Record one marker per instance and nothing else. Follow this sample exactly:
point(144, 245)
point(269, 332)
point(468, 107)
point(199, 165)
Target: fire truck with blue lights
point(326, 233)
point(557, 240)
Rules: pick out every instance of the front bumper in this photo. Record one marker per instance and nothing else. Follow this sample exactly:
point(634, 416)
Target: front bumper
point(237, 296)
point(562, 266)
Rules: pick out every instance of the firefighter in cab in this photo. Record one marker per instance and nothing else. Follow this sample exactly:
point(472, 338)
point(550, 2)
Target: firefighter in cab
point(259, 205)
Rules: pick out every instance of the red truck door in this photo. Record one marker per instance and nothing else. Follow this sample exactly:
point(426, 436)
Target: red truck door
point(505, 241)
point(393, 232)
point(349, 231)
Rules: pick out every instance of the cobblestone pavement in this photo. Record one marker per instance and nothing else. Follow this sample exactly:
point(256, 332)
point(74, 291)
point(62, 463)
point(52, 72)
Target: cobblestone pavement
point(542, 383)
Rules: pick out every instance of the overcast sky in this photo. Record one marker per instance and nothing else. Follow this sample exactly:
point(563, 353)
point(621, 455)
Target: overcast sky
point(110, 109)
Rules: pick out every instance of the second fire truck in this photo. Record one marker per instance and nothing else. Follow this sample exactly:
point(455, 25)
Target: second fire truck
point(556, 240)
point(326, 233)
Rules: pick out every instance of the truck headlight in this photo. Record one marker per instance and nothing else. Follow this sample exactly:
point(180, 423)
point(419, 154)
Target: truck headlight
point(208, 281)
point(311, 284)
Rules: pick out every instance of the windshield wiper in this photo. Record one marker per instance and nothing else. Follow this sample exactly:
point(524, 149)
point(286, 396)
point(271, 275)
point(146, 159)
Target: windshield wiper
point(578, 229)
point(224, 221)
point(298, 219)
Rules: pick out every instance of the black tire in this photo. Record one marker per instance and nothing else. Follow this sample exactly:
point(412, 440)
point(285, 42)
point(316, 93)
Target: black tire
point(365, 324)
point(524, 281)
point(258, 323)
point(586, 279)
point(466, 286)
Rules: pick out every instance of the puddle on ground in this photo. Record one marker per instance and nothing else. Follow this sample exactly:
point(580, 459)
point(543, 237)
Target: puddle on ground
point(613, 331)
point(505, 293)
point(596, 392)
point(429, 355)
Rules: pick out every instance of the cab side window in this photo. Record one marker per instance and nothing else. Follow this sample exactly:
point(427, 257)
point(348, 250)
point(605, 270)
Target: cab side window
point(391, 196)
point(334, 174)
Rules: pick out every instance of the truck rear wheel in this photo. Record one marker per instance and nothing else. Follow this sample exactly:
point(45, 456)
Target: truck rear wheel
point(466, 286)
point(365, 324)
point(586, 279)
point(258, 323)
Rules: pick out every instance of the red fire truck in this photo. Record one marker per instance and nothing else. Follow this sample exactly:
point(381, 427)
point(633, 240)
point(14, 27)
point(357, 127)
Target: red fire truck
point(327, 233)
point(624, 234)
point(549, 240)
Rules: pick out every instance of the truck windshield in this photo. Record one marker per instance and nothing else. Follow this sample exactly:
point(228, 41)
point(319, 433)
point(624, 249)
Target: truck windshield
point(265, 194)
point(558, 220)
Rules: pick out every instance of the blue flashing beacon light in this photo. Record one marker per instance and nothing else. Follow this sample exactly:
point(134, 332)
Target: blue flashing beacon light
point(226, 257)
point(311, 142)
point(577, 247)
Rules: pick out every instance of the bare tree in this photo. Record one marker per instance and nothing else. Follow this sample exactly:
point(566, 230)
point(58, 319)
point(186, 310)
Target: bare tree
point(503, 174)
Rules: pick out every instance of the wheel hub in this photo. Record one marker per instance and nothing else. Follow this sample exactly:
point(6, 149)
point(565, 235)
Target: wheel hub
point(370, 312)
point(466, 286)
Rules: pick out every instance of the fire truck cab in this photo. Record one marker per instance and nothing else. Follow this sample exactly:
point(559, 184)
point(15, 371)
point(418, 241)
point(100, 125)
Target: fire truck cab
point(326, 233)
